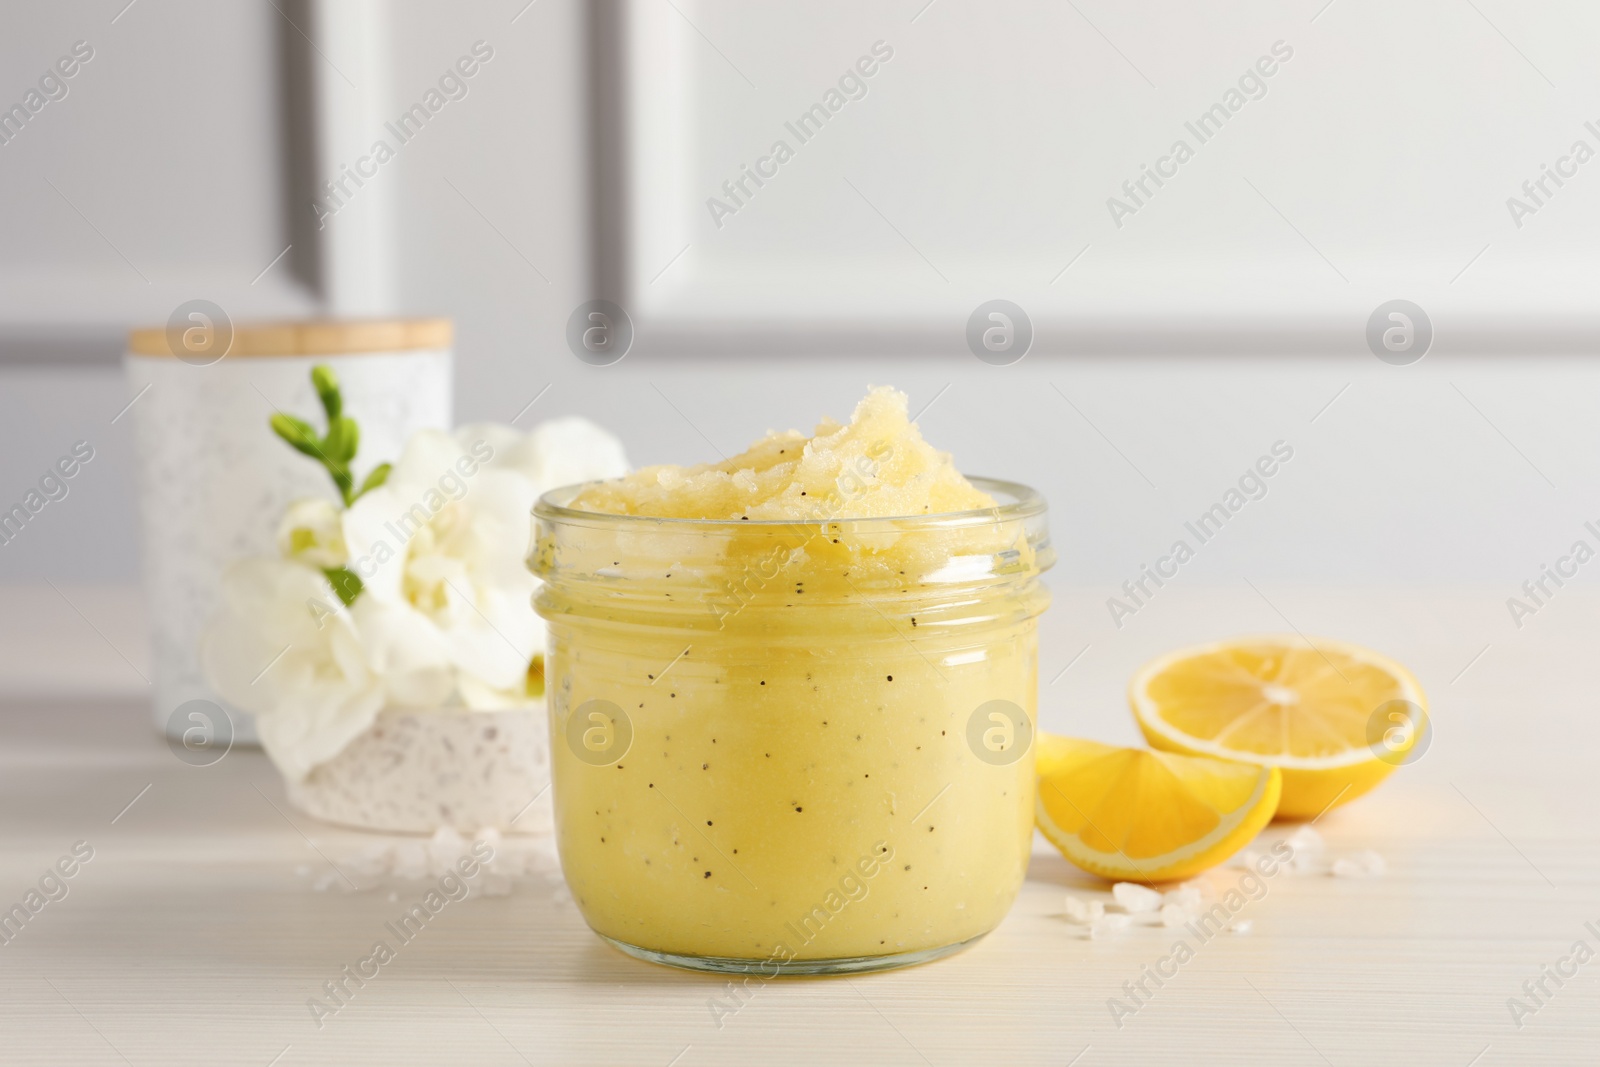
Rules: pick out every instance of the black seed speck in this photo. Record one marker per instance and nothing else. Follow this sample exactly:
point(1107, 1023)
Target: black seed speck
point(708, 875)
point(705, 766)
point(890, 677)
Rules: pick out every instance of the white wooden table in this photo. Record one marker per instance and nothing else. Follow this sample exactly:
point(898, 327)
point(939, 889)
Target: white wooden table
point(191, 938)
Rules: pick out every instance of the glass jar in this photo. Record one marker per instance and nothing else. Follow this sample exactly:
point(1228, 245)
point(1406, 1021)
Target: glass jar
point(793, 747)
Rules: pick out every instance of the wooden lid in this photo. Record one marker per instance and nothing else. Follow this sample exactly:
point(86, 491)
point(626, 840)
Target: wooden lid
point(311, 338)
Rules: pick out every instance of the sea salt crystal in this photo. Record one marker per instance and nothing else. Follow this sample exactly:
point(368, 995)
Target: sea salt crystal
point(1083, 911)
point(393, 896)
point(515, 861)
point(1305, 841)
point(1243, 926)
point(1135, 899)
point(1173, 915)
point(374, 866)
point(1185, 897)
point(444, 848)
point(1363, 864)
point(1306, 849)
point(1246, 860)
point(1107, 925)
point(410, 861)
point(373, 863)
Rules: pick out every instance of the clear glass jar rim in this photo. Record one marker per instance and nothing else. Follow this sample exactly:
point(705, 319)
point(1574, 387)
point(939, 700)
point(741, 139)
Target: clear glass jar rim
point(1017, 502)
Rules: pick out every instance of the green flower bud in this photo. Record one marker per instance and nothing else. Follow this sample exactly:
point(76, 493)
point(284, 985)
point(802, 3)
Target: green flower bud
point(298, 433)
point(327, 386)
point(344, 438)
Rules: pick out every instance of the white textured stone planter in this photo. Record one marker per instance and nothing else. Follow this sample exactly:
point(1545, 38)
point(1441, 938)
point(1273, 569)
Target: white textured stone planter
point(214, 480)
point(414, 772)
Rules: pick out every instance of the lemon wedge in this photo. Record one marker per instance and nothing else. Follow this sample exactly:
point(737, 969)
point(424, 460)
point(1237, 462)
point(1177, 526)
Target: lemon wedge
point(1138, 816)
point(1335, 717)
point(1050, 751)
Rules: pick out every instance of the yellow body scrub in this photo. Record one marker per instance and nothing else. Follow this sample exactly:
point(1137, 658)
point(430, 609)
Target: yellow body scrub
point(791, 699)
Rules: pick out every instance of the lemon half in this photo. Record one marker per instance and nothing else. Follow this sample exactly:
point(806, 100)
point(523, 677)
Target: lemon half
point(1317, 709)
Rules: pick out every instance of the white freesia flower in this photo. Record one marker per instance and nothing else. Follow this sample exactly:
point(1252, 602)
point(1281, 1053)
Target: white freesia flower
point(284, 648)
point(440, 548)
point(405, 652)
point(445, 618)
point(553, 454)
point(312, 532)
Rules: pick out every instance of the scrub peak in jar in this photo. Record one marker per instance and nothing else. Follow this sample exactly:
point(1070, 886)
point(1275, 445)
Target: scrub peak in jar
point(876, 466)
